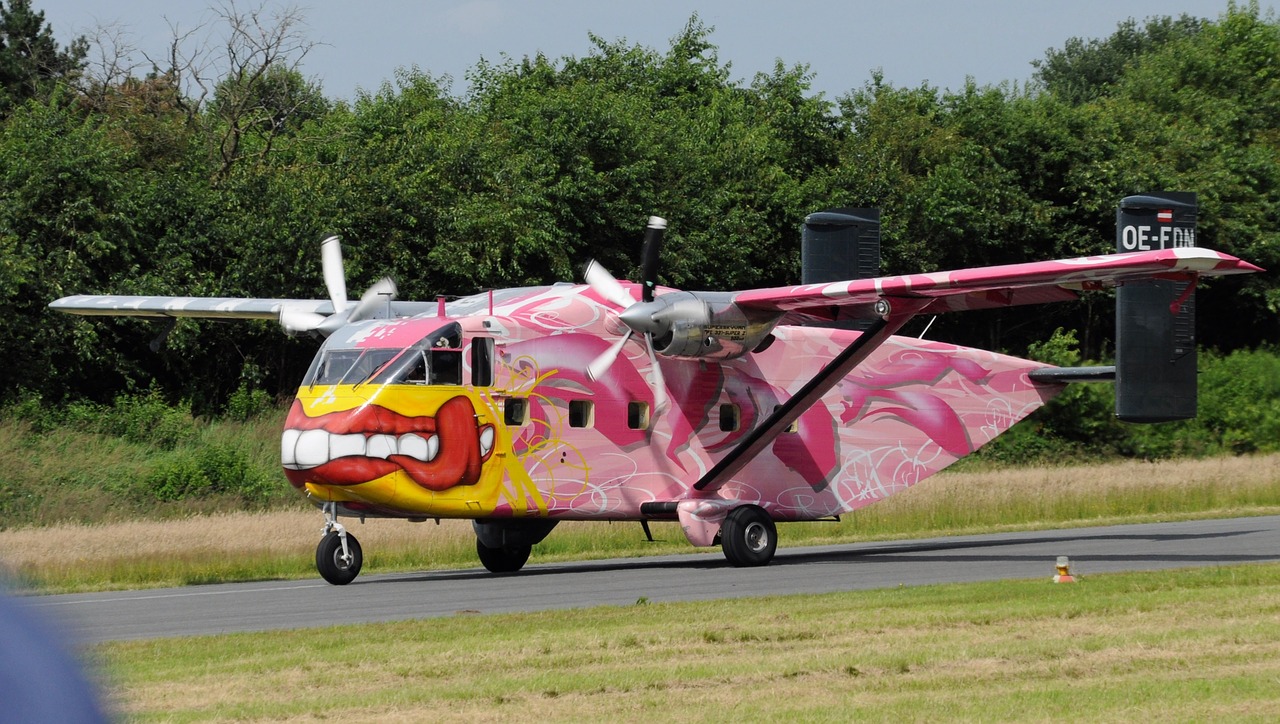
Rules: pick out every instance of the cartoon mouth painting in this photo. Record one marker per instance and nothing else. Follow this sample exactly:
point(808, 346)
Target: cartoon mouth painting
point(366, 443)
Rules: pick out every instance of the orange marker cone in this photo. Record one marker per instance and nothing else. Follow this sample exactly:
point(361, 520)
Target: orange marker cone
point(1064, 571)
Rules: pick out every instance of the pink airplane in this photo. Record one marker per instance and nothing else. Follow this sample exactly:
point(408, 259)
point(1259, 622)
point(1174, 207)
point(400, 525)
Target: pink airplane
point(726, 411)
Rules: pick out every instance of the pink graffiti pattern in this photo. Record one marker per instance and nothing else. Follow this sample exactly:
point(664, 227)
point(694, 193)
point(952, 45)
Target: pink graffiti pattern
point(910, 410)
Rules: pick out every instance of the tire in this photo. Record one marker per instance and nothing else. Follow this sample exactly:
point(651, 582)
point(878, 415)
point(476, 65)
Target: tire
point(748, 536)
point(330, 563)
point(507, 559)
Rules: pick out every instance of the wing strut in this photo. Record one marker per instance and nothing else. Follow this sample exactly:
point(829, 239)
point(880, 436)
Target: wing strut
point(901, 311)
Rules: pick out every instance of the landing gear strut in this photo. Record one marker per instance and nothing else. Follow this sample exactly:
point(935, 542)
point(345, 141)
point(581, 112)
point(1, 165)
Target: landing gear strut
point(338, 557)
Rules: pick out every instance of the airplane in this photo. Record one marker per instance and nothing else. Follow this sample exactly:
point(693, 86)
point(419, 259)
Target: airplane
point(728, 412)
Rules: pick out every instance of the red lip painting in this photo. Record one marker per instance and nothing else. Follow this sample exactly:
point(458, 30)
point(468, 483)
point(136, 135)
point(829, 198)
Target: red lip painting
point(368, 442)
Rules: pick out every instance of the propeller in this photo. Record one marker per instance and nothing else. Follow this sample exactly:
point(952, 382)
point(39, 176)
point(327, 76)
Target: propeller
point(633, 313)
point(296, 321)
point(653, 233)
point(334, 278)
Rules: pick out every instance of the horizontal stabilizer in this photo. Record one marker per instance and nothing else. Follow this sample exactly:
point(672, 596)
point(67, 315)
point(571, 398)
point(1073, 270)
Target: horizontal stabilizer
point(1063, 375)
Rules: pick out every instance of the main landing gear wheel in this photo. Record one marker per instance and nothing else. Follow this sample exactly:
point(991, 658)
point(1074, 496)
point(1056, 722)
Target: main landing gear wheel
point(505, 559)
point(748, 536)
point(335, 566)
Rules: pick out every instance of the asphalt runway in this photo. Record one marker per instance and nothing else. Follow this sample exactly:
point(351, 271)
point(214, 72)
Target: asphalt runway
point(238, 607)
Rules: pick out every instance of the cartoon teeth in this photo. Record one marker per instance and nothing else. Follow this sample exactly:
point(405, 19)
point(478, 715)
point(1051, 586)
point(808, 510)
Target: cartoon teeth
point(303, 449)
point(418, 447)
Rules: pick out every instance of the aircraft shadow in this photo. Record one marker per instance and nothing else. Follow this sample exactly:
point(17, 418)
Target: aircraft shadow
point(870, 552)
point(897, 549)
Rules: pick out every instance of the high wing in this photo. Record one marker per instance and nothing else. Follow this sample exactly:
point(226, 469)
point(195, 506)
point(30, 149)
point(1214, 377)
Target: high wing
point(114, 305)
point(893, 301)
point(321, 316)
point(1000, 286)
point(205, 307)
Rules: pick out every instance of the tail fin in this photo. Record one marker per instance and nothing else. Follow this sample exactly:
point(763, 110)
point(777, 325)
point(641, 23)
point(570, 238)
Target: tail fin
point(840, 244)
point(1155, 320)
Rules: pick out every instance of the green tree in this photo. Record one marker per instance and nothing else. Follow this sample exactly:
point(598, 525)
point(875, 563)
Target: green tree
point(1197, 114)
point(253, 107)
point(1085, 68)
point(68, 216)
point(583, 149)
point(30, 61)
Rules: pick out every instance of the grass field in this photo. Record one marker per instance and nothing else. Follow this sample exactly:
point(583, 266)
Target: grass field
point(1193, 645)
point(281, 544)
point(1198, 645)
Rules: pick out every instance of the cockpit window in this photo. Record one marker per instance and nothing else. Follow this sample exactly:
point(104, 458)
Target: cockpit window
point(349, 366)
point(410, 369)
point(446, 366)
point(434, 360)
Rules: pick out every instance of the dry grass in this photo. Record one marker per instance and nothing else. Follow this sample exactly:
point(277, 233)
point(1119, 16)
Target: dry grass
point(280, 533)
point(281, 544)
point(224, 546)
point(1074, 495)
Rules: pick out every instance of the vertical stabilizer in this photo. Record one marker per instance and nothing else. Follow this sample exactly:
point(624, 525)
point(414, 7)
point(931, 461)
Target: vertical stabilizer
point(840, 244)
point(1155, 320)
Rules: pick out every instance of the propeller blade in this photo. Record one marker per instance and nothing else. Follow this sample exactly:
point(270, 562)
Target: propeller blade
point(296, 321)
point(334, 276)
point(638, 316)
point(381, 292)
point(603, 283)
point(600, 365)
point(649, 257)
point(660, 400)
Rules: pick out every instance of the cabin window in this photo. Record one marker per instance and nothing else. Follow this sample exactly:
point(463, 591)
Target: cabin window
point(729, 417)
point(581, 413)
point(515, 411)
point(637, 415)
point(482, 362)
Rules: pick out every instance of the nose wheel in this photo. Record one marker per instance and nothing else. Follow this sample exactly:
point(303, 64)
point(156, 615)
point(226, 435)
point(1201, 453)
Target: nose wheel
point(338, 557)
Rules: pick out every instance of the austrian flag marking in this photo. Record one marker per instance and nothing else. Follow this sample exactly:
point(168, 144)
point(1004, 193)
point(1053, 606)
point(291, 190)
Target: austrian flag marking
point(1165, 216)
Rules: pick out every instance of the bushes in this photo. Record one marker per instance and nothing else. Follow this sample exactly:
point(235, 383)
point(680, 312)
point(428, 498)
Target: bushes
point(1240, 400)
point(206, 471)
point(145, 419)
point(245, 404)
point(1239, 412)
point(137, 457)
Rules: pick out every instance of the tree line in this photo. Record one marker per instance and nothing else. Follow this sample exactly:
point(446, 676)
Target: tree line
point(217, 175)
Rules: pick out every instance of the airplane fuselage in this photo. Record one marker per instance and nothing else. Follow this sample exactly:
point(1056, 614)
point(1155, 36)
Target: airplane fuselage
point(488, 411)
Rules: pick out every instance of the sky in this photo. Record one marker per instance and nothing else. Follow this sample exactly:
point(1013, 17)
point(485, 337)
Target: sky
point(939, 42)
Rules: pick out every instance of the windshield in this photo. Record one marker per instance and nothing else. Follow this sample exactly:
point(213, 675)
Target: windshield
point(436, 359)
point(349, 366)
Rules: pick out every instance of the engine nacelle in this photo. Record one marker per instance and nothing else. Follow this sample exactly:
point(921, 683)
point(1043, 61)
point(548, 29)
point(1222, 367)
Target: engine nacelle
point(704, 326)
